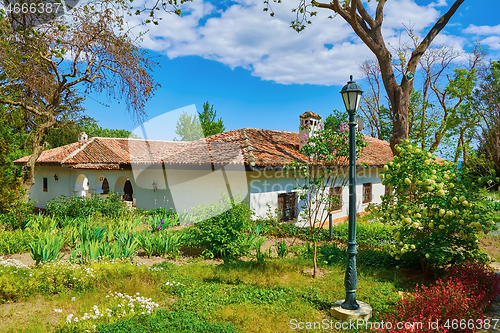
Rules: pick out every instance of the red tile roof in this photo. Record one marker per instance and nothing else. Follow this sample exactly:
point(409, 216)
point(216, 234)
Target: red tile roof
point(254, 147)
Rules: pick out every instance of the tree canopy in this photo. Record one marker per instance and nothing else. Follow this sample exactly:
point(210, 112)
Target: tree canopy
point(90, 47)
point(209, 124)
point(369, 30)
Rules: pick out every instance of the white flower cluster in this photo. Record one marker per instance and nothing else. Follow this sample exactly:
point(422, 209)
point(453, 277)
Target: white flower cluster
point(12, 263)
point(126, 304)
point(156, 269)
point(173, 283)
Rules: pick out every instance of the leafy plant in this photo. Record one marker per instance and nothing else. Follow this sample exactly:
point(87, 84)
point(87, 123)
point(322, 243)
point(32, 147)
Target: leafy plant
point(435, 215)
point(82, 207)
point(160, 243)
point(17, 241)
point(47, 248)
point(258, 244)
point(282, 249)
point(222, 235)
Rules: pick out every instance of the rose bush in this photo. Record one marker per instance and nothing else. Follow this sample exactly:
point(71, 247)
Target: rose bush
point(436, 215)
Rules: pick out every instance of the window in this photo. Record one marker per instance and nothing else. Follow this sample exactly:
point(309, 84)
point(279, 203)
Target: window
point(45, 187)
point(367, 192)
point(336, 192)
point(286, 206)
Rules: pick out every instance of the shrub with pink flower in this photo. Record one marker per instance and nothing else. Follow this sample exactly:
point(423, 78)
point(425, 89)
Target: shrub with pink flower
point(455, 303)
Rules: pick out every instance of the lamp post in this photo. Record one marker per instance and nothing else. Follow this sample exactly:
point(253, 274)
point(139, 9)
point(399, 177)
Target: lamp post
point(351, 93)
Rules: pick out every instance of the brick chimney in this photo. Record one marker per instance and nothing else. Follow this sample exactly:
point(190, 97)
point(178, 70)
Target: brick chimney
point(311, 118)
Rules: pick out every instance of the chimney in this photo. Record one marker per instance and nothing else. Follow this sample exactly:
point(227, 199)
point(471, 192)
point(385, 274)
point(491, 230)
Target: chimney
point(308, 117)
point(82, 136)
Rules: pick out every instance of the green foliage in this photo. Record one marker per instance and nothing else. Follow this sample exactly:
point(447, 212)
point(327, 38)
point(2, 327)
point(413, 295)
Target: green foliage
point(161, 243)
point(76, 207)
point(91, 245)
point(40, 223)
point(161, 219)
point(208, 123)
point(61, 277)
point(282, 249)
point(335, 120)
point(17, 241)
point(47, 248)
point(170, 322)
point(480, 172)
point(222, 232)
point(188, 128)
point(435, 216)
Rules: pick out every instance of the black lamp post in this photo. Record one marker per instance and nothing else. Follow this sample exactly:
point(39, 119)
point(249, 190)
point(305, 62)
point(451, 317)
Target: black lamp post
point(351, 93)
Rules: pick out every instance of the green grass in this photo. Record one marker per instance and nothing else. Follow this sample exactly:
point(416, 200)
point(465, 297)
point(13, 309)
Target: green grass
point(235, 297)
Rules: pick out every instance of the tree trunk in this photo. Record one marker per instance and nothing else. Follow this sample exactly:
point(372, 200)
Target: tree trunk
point(314, 259)
point(400, 122)
point(37, 148)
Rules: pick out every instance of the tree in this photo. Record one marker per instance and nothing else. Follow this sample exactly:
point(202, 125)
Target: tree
point(379, 117)
point(327, 152)
point(486, 102)
point(209, 125)
point(88, 47)
point(188, 128)
point(436, 215)
point(439, 109)
point(369, 29)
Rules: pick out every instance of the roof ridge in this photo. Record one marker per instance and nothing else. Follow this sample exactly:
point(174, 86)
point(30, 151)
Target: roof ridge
point(76, 151)
point(247, 144)
point(101, 137)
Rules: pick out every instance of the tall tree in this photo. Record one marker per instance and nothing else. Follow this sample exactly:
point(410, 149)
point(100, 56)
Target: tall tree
point(369, 29)
point(486, 102)
point(439, 108)
point(188, 128)
point(209, 125)
point(90, 47)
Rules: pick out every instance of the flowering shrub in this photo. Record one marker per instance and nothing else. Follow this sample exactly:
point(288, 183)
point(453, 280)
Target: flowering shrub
point(480, 280)
point(436, 216)
point(118, 307)
point(454, 304)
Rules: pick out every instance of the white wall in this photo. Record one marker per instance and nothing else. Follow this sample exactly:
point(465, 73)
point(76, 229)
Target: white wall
point(265, 187)
point(188, 188)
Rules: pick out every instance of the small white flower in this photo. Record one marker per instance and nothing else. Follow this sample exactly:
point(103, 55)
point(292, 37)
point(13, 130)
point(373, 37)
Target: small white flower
point(73, 299)
point(58, 310)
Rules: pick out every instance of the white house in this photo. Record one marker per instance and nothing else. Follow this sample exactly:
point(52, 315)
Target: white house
point(180, 175)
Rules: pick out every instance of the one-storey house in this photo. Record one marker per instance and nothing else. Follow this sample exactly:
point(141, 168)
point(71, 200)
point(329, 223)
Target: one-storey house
point(245, 163)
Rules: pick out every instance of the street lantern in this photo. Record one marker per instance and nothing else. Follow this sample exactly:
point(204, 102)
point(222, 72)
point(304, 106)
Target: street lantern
point(351, 93)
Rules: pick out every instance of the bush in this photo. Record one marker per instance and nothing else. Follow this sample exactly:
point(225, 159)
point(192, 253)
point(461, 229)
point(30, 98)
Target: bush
point(455, 302)
point(222, 235)
point(16, 216)
point(481, 281)
point(75, 207)
point(17, 241)
point(436, 216)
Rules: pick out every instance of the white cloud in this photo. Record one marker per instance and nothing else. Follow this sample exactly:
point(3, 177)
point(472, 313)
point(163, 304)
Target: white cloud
point(482, 30)
point(244, 35)
point(493, 42)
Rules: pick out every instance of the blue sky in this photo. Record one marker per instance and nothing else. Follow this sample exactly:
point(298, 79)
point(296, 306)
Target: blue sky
point(258, 72)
